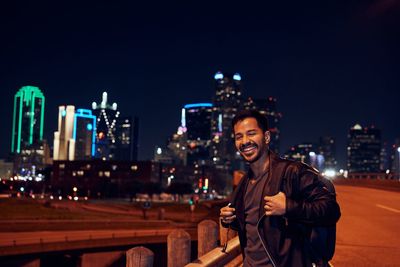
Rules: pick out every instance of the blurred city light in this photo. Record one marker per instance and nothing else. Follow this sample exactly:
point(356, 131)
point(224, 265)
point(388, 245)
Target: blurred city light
point(330, 173)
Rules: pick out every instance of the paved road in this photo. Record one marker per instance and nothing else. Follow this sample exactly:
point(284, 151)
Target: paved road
point(368, 233)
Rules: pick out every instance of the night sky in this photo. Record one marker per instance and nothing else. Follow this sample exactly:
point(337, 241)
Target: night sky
point(330, 64)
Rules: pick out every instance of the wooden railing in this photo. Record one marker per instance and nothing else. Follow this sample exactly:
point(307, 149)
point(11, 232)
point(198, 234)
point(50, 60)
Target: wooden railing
point(179, 249)
point(216, 257)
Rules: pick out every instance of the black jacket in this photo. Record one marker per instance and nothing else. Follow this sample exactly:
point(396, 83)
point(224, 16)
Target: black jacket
point(308, 203)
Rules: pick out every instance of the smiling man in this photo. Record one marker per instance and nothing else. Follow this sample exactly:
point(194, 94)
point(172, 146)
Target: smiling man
point(277, 203)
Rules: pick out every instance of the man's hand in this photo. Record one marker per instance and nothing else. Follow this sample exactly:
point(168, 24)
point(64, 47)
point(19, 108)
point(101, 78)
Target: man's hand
point(275, 205)
point(227, 214)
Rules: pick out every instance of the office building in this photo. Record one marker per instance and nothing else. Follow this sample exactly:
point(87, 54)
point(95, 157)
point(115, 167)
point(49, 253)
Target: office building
point(363, 150)
point(75, 138)
point(28, 118)
point(126, 132)
point(27, 145)
point(196, 120)
point(107, 116)
point(226, 103)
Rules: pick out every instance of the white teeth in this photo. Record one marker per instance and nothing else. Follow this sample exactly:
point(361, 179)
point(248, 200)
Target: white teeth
point(247, 149)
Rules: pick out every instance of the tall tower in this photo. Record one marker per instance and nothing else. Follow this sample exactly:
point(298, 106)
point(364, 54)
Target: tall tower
point(27, 145)
point(84, 135)
point(363, 149)
point(127, 129)
point(267, 107)
point(75, 138)
point(107, 116)
point(197, 121)
point(63, 137)
point(28, 118)
point(226, 103)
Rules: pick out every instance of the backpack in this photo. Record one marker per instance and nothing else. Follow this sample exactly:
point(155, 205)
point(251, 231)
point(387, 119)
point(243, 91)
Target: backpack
point(320, 244)
point(322, 239)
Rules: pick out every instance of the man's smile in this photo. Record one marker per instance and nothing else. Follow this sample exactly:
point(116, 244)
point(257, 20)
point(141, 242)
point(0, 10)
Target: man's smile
point(248, 149)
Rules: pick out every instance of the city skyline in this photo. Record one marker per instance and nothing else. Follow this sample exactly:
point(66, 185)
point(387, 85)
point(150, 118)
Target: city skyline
point(329, 65)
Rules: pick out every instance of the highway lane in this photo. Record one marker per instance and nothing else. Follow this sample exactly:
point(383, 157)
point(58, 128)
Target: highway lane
point(368, 233)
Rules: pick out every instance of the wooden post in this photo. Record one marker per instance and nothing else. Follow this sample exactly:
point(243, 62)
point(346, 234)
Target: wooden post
point(225, 235)
point(207, 232)
point(139, 257)
point(179, 247)
point(161, 214)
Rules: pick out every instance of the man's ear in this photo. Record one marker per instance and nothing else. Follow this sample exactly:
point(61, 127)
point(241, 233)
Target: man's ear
point(267, 137)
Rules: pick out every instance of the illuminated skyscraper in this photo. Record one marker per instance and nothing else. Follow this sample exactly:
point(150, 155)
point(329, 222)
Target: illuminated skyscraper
point(197, 121)
point(107, 116)
point(63, 137)
point(84, 135)
point(28, 118)
point(27, 145)
point(226, 103)
point(75, 138)
point(267, 107)
point(363, 150)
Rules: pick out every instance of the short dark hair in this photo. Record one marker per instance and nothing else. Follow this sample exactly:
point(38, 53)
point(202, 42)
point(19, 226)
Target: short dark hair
point(244, 114)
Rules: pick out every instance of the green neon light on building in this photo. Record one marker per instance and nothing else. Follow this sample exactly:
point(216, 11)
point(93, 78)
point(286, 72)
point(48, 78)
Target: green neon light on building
point(27, 132)
point(13, 127)
point(19, 125)
point(41, 119)
point(32, 117)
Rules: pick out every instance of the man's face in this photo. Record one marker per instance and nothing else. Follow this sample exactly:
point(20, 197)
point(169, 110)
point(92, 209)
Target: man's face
point(250, 140)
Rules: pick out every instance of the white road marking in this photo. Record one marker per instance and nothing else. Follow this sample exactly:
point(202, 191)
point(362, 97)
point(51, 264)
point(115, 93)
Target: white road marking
point(387, 208)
